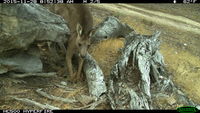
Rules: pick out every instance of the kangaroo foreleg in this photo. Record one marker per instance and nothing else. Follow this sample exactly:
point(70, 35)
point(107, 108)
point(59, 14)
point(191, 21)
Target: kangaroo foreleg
point(80, 66)
point(69, 64)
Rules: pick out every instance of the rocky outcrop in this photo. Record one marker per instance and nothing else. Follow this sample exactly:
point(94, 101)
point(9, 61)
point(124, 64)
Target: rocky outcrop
point(23, 24)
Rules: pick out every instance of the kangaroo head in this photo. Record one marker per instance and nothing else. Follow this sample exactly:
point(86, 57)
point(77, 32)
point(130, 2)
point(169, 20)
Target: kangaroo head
point(83, 40)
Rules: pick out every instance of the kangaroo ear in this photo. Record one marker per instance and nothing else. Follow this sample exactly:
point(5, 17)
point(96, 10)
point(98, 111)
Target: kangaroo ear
point(79, 29)
point(91, 33)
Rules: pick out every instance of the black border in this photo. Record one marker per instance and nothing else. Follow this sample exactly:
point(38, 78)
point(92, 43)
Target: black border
point(86, 111)
point(98, 1)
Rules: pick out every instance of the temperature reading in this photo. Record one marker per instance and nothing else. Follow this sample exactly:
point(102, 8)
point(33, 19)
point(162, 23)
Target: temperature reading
point(189, 1)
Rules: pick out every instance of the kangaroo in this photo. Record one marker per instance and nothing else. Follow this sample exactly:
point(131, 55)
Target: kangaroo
point(80, 22)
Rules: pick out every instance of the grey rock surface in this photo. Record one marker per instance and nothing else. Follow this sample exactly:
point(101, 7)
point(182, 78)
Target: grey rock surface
point(110, 27)
point(22, 24)
point(21, 62)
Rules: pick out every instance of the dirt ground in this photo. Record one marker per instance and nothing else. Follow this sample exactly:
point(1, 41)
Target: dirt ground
point(180, 36)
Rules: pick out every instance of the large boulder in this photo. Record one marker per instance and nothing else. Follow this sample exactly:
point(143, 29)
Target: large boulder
point(20, 26)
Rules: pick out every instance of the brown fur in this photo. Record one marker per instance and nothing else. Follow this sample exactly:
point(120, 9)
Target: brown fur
point(80, 22)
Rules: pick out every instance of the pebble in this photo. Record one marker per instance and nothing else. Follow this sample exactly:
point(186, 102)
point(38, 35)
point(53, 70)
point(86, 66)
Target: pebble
point(63, 83)
point(171, 101)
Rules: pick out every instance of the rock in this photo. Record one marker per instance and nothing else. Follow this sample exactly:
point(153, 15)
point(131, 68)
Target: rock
point(21, 62)
point(63, 83)
point(22, 24)
point(171, 100)
point(3, 69)
point(84, 99)
point(110, 27)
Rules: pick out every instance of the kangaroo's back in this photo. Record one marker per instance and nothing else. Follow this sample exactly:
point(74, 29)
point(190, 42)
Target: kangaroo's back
point(82, 16)
point(73, 14)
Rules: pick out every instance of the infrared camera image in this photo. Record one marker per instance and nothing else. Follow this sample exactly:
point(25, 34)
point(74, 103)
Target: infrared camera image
point(100, 56)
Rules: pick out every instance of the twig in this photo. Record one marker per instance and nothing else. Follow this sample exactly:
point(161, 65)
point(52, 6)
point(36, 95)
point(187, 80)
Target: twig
point(54, 97)
point(95, 104)
point(64, 87)
point(92, 105)
point(51, 74)
point(43, 106)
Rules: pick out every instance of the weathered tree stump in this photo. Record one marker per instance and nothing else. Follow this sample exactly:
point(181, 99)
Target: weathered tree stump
point(94, 76)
